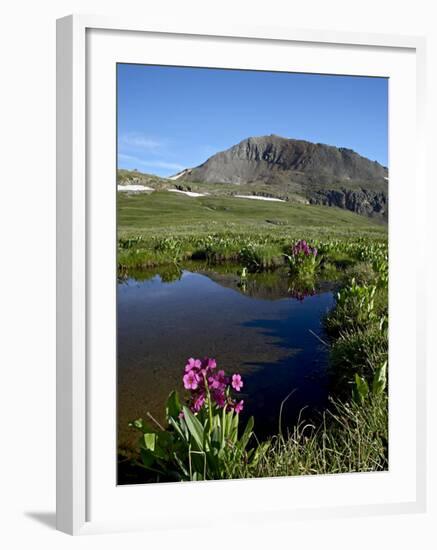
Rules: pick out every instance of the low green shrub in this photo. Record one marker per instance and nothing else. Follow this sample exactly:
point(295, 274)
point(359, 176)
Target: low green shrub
point(354, 309)
point(362, 272)
point(357, 352)
point(261, 256)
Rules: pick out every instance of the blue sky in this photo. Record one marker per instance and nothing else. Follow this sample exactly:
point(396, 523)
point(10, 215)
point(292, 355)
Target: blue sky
point(170, 118)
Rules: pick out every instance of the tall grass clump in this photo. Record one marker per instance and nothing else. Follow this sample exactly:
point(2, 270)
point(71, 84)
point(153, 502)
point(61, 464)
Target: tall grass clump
point(351, 437)
point(217, 249)
point(259, 256)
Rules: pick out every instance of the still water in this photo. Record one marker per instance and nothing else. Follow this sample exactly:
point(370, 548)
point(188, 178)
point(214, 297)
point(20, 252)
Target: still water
point(257, 329)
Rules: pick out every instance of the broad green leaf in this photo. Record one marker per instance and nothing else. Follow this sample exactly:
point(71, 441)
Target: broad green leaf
point(180, 428)
point(361, 389)
point(173, 405)
point(260, 452)
point(246, 434)
point(150, 441)
point(379, 379)
point(194, 426)
point(234, 426)
point(216, 436)
point(181, 466)
point(225, 422)
point(163, 445)
point(222, 421)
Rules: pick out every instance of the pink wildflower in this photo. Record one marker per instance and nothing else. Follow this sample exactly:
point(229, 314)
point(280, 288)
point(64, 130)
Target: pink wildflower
point(214, 382)
point(239, 406)
point(193, 364)
point(217, 380)
point(198, 403)
point(191, 380)
point(219, 397)
point(237, 382)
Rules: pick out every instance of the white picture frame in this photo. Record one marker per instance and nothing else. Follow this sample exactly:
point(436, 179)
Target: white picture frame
point(78, 299)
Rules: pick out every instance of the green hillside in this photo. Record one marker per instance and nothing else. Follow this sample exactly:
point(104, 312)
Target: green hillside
point(162, 212)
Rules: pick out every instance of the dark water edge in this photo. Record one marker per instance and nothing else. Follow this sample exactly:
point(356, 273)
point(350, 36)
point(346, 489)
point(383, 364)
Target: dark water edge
point(262, 329)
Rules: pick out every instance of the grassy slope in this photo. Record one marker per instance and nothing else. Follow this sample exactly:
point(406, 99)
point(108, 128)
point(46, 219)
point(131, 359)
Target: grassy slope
point(172, 213)
point(296, 189)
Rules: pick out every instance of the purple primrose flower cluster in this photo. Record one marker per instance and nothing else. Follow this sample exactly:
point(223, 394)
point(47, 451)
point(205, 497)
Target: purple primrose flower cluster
point(302, 248)
point(204, 380)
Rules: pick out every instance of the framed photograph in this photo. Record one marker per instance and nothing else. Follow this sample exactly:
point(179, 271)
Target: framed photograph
point(239, 318)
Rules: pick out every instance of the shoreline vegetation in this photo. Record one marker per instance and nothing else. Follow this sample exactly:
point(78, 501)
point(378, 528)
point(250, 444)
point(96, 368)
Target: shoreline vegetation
point(252, 250)
point(352, 434)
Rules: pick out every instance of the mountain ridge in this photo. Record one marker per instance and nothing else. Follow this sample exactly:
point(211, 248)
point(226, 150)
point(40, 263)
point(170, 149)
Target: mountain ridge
point(288, 169)
point(268, 157)
point(318, 173)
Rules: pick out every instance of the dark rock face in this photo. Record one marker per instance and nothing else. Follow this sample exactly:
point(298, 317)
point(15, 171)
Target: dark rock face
point(323, 174)
point(368, 203)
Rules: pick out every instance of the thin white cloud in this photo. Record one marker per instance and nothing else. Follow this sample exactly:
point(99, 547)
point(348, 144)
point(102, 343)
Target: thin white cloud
point(139, 141)
point(150, 163)
point(128, 158)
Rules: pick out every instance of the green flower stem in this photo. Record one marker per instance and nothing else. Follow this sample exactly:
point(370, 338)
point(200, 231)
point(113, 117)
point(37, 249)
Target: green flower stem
point(223, 426)
point(209, 404)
